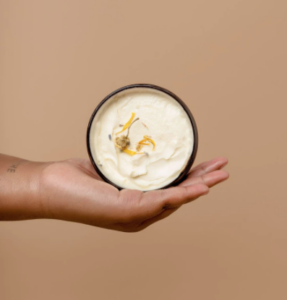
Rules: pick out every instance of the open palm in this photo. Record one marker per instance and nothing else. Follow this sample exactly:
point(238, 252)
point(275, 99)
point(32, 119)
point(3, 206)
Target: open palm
point(71, 190)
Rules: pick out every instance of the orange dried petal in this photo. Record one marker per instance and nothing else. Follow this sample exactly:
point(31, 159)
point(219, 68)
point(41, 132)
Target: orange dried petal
point(128, 124)
point(150, 140)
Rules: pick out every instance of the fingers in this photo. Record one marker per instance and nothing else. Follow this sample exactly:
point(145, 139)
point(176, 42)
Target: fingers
point(163, 203)
point(174, 197)
point(156, 205)
point(209, 166)
point(187, 191)
point(140, 207)
point(209, 179)
point(168, 201)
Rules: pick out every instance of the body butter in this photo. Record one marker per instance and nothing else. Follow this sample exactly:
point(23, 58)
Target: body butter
point(142, 137)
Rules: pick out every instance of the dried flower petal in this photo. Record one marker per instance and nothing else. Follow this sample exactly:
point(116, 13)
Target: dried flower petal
point(127, 125)
point(146, 141)
point(130, 152)
point(150, 140)
point(139, 147)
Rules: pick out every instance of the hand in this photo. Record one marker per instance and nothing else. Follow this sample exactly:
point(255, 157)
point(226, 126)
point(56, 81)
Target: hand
point(71, 190)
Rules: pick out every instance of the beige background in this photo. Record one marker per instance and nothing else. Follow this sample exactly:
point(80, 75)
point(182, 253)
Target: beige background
point(227, 60)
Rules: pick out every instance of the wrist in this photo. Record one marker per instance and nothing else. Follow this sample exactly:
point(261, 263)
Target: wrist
point(20, 189)
point(33, 187)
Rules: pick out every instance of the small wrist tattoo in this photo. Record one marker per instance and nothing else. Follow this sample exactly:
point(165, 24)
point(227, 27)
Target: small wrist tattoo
point(13, 168)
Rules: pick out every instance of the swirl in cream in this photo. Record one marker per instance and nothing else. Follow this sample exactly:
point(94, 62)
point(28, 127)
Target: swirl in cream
point(162, 119)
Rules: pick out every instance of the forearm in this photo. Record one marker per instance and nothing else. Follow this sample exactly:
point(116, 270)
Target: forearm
point(19, 188)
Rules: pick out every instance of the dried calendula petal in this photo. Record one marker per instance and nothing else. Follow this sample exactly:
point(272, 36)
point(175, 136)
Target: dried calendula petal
point(141, 144)
point(130, 152)
point(127, 125)
point(150, 140)
point(146, 141)
point(139, 147)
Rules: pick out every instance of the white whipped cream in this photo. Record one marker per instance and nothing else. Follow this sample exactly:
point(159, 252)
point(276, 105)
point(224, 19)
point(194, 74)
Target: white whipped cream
point(160, 117)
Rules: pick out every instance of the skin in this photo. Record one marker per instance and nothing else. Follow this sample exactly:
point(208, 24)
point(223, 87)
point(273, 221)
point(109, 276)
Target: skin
point(71, 190)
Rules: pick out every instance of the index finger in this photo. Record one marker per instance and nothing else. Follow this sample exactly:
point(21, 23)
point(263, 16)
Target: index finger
point(208, 166)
